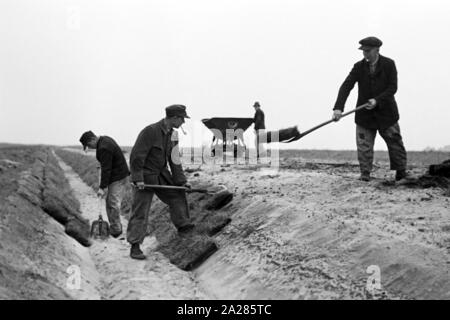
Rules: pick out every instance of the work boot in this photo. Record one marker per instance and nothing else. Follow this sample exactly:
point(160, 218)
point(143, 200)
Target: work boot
point(365, 176)
point(136, 252)
point(401, 174)
point(186, 229)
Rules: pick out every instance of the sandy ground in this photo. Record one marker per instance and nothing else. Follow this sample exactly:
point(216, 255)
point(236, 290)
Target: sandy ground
point(121, 277)
point(311, 234)
point(311, 230)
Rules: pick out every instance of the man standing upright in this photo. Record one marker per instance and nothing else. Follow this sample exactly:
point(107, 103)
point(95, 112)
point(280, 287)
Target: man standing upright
point(114, 174)
point(155, 150)
point(259, 126)
point(376, 76)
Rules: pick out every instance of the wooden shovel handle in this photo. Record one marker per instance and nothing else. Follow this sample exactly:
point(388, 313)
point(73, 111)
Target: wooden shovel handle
point(189, 190)
point(330, 121)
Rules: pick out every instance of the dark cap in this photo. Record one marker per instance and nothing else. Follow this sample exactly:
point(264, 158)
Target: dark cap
point(86, 137)
point(369, 43)
point(256, 104)
point(176, 110)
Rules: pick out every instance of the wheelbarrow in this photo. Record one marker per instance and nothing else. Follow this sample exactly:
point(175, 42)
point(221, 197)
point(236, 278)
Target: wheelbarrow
point(228, 133)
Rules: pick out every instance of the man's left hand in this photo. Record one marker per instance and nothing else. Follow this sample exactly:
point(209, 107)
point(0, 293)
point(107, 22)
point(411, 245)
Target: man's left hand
point(101, 193)
point(372, 104)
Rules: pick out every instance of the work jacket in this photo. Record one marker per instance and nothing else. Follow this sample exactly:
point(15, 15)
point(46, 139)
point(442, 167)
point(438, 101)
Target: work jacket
point(112, 161)
point(155, 149)
point(381, 86)
point(258, 119)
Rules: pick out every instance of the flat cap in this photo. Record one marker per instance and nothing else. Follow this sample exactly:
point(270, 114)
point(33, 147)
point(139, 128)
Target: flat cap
point(85, 137)
point(176, 110)
point(369, 43)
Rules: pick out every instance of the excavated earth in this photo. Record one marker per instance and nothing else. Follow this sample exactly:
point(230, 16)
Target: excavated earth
point(306, 230)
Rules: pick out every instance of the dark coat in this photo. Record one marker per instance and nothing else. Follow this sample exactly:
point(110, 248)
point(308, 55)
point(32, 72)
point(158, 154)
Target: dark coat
point(381, 86)
point(112, 161)
point(151, 154)
point(258, 119)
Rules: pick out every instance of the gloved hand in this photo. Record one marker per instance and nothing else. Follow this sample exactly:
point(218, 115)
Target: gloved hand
point(336, 115)
point(372, 104)
point(101, 193)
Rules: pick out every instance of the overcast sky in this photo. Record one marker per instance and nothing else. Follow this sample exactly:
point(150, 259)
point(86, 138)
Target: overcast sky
point(113, 66)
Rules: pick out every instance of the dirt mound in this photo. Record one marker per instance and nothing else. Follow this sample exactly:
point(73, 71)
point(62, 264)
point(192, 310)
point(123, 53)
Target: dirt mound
point(45, 186)
point(309, 234)
point(35, 251)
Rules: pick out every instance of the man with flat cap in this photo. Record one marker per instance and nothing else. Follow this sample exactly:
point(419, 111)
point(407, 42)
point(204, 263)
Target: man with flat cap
point(376, 76)
point(113, 177)
point(155, 150)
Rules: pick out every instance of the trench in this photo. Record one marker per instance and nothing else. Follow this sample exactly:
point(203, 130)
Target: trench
point(288, 239)
point(121, 277)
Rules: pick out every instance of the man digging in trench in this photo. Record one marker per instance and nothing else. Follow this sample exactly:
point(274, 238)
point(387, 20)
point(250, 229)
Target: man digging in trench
point(149, 158)
point(114, 175)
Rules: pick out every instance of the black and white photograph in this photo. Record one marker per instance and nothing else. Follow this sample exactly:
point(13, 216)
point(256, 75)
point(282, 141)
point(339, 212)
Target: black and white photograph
point(224, 155)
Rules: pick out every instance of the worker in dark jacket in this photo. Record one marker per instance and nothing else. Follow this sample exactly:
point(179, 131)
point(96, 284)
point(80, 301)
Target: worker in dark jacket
point(376, 76)
point(155, 149)
point(114, 174)
point(260, 127)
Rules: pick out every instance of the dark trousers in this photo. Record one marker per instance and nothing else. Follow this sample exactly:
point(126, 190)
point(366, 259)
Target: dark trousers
point(365, 140)
point(142, 201)
point(259, 143)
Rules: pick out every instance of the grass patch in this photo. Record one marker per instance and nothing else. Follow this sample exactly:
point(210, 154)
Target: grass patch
point(85, 166)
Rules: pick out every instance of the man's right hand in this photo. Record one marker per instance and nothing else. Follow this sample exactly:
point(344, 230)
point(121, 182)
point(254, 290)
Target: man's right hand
point(337, 114)
point(140, 185)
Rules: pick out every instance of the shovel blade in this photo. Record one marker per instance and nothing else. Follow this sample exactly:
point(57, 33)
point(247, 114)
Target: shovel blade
point(100, 229)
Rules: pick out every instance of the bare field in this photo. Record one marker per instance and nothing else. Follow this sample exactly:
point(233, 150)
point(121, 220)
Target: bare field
point(415, 158)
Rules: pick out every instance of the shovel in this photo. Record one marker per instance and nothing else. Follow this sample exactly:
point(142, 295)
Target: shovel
point(329, 121)
point(100, 227)
point(292, 134)
point(219, 198)
point(188, 190)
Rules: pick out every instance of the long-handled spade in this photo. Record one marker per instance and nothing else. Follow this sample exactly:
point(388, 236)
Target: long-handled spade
point(100, 227)
point(292, 134)
point(301, 135)
point(220, 197)
point(188, 190)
